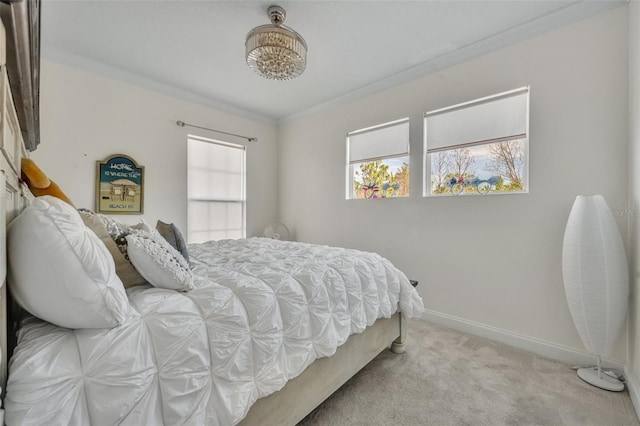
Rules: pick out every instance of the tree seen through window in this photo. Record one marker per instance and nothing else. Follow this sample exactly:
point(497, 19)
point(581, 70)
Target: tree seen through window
point(380, 179)
point(496, 167)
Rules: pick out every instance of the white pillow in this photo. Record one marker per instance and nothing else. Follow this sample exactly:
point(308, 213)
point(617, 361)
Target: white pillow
point(60, 271)
point(158, 262)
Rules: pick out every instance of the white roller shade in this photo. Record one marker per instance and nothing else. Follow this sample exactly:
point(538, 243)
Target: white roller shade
point(215, 170)
point(215, 190)
point(490, 119)
point(385, 141)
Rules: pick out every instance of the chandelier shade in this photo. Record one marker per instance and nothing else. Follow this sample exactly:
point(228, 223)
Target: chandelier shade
point(275, 51)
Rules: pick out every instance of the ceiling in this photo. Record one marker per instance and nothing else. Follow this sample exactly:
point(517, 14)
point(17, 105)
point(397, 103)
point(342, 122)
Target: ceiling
point(195, 49)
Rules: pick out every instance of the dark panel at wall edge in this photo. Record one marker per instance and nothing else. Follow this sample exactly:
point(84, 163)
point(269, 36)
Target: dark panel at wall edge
point(21, 19)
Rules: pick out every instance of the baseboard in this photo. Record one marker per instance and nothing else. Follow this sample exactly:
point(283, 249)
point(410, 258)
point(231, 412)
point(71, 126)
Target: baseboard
point(633, 388)
point(547, 349)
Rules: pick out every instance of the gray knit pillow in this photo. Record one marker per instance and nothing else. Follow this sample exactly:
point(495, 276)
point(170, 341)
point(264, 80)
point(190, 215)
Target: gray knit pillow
point(172, 234)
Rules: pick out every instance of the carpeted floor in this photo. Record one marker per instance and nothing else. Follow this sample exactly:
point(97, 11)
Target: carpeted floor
point(451, 378)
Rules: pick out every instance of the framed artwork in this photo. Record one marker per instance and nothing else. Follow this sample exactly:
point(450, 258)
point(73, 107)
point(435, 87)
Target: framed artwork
point(119, 185)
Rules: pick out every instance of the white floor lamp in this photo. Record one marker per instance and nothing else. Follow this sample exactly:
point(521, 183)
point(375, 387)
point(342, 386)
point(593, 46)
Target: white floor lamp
point(596, 281)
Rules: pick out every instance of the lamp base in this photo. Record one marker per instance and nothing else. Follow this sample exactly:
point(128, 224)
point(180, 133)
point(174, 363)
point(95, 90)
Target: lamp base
point(600, 379)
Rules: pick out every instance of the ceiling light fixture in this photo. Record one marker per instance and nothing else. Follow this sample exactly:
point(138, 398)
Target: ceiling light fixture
point(276, 51)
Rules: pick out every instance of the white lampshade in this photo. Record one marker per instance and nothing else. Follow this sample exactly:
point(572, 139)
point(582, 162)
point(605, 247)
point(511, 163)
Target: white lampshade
point(596, 278)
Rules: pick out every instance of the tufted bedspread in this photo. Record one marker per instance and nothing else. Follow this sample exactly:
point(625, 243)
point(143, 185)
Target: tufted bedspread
point(262, 311)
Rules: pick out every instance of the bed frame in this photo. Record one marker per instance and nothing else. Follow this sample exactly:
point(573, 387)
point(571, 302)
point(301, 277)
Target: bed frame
point(285, 407)
point(19, 133)
point(15, 63)
point(322, 378)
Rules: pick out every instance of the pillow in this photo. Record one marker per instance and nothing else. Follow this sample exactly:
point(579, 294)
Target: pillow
point(124, 269)
point(158, 262)
point(60, 271)
point(172, 234)
point(38, 182)
point(118, 232)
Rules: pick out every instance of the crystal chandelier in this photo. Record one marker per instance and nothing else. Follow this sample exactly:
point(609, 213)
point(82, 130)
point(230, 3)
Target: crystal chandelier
point(275, 51)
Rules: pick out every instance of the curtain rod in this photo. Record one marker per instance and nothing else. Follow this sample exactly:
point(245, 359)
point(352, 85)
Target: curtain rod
point(182, 124)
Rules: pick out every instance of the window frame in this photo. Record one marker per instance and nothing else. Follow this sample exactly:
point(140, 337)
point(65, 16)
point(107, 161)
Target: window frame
point(243, 191)
point(426, 160)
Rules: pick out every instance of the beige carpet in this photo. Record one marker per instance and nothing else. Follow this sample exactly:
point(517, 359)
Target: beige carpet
point(451, 378)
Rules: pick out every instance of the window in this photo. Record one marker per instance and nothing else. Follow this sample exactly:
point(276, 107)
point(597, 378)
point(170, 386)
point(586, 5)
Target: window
point(478, 147)
point(216, 190)
point(378, 161)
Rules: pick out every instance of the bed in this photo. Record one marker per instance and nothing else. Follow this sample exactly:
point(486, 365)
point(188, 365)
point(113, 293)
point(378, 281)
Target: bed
point(246, 320)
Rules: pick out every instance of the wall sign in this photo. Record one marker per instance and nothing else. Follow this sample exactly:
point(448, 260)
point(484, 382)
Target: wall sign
point(119, 185)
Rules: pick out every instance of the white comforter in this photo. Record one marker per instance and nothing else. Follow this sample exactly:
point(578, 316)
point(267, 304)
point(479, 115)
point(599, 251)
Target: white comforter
point(263, 310)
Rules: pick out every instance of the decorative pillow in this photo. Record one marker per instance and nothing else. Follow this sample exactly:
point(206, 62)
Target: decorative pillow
point(158, 262)
point(119, 231)
point(172, 234)
point(124, 269)
point(60, 271)
point(38, 182)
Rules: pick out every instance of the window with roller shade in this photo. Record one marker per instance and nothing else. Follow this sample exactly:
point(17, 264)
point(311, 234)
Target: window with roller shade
point(216, 190)
point(478, 147)
point(378, 161)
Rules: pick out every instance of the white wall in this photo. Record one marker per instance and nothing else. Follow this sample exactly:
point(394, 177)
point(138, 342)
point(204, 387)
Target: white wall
point(495, 260)
point(86, 117)
point(633, 358)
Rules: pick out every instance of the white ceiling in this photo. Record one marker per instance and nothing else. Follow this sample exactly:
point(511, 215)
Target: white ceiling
point(195, 49)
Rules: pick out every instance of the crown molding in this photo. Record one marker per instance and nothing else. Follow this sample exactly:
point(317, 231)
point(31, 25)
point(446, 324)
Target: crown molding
point(65, 58)
point(573, 12)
